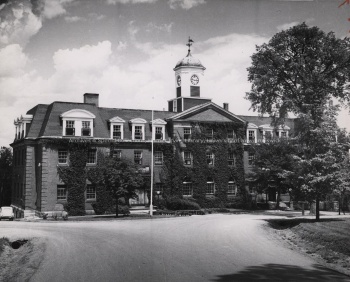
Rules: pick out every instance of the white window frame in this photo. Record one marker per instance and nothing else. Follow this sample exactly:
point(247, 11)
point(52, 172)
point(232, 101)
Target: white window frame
point(58, 155)
point(251, 157)
point(188, 134)
point(78, 116)
point(212, 188)
point(140, 158)
point(117, 121)
point(92, 151)
point(160, 124)
point(158, 160)
point(210, 155)
point(138, 122)
point(252, 127)
point(62, 196)
point(190, 157)
point(88, 186)
point(234, 190)
point(231, 132)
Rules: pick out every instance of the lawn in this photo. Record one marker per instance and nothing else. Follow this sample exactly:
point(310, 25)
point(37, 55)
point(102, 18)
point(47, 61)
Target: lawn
point(327, 240)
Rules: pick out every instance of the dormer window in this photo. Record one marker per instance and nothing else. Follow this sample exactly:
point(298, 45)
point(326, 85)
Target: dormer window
point(252, 131)
point(158, 129)
point(138, 128)
point(77, 122)
point(117, 128)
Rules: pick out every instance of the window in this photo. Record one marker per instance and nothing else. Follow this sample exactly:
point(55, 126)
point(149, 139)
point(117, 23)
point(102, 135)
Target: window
point(251, 136)
point(210, 188)
point(209, 134)
point(187, 189)
point(187, 133)
point(138, 157)
point(117, 132)
point(138, 132)
point(85, 128)
point(158, 158)
point(117, 154)
point(283, 134)
point(159, 133)
point(231, 134)
point(232, 187)
point(70, 129)
point(187, 158)
point(61, 192)
point(62, 156)
point(231, 159)
point(91, 156)
point(268, 135)
point(175, 106)
point(251, 157)
point(90, 192)
point(210, 158)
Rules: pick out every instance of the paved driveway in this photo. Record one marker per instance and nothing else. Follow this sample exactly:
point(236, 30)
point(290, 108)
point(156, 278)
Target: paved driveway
point(197, 248)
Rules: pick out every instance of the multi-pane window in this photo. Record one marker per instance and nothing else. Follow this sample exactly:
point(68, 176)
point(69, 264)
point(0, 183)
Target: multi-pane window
point(210, 158)
point(187, 189)
point(138, 157)
point(117, 132)
point(159, 133)
point(61, 192)
point(158, 157)
point(210, 188)
point(231, 134)
point(251, 157)
point(232, 187)
point(117, 154)
point(91, 156)
point(90, 192)
point(70, 127)
point(187, 158)
point(187, 133)
point(62, 156)
point(231, 159)
point(138, 132)
point(251, 135)
point(283, 134)
point(85, 128)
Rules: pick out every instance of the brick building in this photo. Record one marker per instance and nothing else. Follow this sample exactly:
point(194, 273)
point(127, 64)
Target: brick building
point(129, 133)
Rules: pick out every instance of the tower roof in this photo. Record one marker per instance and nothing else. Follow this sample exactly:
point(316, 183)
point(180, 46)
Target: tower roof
point(189, 61)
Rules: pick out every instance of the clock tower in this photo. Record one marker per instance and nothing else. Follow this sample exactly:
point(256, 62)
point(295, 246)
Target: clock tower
point(189, 76)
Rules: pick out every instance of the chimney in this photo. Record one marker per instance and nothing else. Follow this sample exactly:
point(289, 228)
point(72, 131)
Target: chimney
point(226, 106)
point(91, 98)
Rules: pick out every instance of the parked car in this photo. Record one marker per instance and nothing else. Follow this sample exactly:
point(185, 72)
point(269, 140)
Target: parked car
point(6, 212)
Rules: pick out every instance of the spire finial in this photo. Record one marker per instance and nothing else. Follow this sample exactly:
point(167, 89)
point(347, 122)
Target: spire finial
point(189, 44)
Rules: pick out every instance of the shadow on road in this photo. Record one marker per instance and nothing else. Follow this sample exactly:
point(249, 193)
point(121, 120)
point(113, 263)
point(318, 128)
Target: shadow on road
point(280, 272)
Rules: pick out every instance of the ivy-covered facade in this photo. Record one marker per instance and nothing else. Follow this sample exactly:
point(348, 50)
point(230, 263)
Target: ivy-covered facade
point(201, 150)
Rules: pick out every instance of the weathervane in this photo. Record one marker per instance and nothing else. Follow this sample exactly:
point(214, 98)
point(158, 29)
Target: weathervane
point(189, 44)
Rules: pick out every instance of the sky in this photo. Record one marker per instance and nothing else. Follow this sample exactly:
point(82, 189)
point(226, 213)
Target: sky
point(125, 50)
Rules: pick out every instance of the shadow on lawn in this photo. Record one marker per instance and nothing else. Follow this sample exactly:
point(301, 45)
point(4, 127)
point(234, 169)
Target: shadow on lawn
point(289, 223)
point(280, 272)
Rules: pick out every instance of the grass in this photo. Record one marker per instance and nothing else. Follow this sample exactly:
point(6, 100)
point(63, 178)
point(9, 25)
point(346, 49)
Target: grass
point(327, 239)
point(3, 242)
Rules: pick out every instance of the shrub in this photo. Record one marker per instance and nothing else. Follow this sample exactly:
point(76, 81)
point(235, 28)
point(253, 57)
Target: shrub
point(175, 203)
point(123, 209)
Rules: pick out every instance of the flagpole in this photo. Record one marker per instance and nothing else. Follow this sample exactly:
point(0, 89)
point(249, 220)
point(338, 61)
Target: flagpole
point(151, 202)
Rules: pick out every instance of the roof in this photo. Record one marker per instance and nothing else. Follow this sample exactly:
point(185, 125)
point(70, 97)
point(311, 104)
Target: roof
point(189, 61)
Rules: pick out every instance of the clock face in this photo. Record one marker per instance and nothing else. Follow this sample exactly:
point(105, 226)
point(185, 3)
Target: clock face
point(194, 79)
point(178, 80)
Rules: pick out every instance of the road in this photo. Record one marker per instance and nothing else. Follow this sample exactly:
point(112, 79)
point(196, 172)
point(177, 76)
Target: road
point(197, 248)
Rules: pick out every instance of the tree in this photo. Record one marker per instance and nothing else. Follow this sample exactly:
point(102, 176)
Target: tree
point(121, 178)
point(273, 166)
point(5, 176)
point(299, 67)
point(300, 71)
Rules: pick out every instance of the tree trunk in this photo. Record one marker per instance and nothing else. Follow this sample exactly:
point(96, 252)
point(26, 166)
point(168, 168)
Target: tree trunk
point(317, 208)
point(116, 206)
point(278, 198)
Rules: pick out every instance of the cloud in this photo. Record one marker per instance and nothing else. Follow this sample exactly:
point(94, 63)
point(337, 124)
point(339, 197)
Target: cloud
point(286, 26)
point(13, 60)
point(132, 30)
point(96, 17)
point(73, 19)
point(55, 8)
point(122, 46)
point(151, 27)
point(18, 23)
point(185, 4)
point(114, 2)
